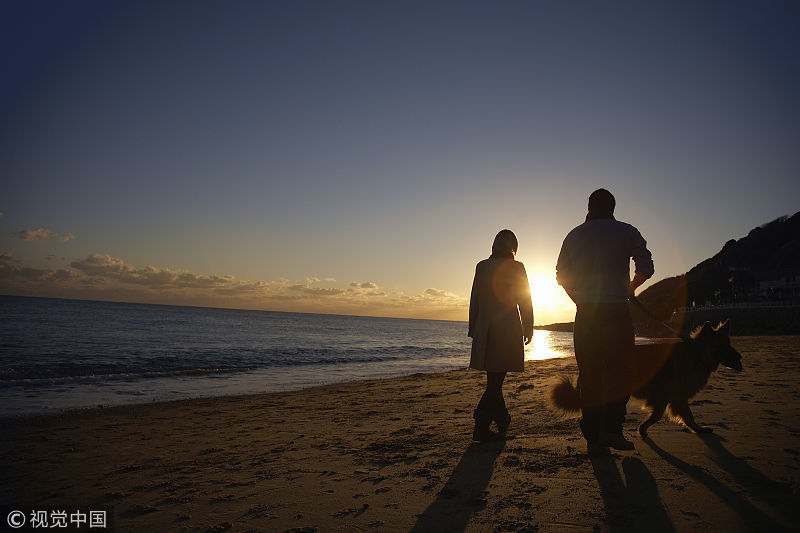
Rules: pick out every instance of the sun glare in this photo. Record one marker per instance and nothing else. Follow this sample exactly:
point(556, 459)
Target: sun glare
point(544, 346)
point(550, 302)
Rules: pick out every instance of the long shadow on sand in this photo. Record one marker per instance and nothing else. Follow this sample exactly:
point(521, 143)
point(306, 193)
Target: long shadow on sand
point(752, 517)
point(464, 493)
point(632, 505)
point(778, 495)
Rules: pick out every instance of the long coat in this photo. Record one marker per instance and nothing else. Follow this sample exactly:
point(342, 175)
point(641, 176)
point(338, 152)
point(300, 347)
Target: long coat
point(500, 313)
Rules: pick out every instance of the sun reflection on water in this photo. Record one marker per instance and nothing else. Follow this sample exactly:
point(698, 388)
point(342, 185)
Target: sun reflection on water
point(546, 345)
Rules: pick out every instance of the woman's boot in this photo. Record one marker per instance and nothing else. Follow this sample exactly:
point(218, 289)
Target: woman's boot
point(503, 420)
point(500, 414)
point(482, 432)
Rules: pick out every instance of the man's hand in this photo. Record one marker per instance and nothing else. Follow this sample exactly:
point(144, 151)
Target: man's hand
point(527, 339)
point(636, 282)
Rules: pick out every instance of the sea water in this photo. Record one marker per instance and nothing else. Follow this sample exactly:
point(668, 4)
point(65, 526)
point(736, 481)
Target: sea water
point(62, 354)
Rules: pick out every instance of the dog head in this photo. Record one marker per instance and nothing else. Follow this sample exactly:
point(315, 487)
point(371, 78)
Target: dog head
point(716, 342)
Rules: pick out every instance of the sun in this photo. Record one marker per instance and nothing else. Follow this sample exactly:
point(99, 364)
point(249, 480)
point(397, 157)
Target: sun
point(544, 288)
point(550, 302)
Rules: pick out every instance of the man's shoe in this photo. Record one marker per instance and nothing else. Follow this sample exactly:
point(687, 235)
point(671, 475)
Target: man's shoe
point(595, 449)
point(616, 441)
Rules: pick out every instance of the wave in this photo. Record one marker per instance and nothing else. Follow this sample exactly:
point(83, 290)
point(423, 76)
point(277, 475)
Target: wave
point(46, 372)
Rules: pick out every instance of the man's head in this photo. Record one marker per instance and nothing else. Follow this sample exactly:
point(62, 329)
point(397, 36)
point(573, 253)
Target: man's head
point(601, 204)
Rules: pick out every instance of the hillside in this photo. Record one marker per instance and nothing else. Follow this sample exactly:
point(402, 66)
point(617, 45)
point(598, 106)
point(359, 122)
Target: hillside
point(754, 280)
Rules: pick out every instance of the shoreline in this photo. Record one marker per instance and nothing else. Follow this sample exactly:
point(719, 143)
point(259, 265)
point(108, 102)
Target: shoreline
point(396, 455)
point(109, 410)
point(93, 391)
point(252, 387)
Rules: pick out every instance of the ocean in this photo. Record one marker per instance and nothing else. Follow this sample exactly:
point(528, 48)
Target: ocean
point(64, 354)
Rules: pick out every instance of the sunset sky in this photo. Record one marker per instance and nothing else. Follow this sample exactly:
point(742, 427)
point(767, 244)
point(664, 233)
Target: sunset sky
point(359, 157)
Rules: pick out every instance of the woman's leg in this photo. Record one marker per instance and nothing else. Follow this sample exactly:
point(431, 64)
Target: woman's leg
point(488, 406)
point(494, 391)
point(499, 410)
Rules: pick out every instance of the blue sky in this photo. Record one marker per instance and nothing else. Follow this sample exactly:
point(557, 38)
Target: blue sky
point(359, 157)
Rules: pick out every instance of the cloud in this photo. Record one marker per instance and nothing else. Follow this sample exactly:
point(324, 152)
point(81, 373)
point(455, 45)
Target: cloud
point(317, 291)
point(13, 271)
point(364, 285)
point(41, 234)
point(111, 267)
point(433, 295)
point(438, 293)
point(245, 288)
point(102, 276)
point(8, 259)
point(101, 265)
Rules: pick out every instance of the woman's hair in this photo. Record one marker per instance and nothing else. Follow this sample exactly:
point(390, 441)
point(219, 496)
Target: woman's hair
point(505, 242)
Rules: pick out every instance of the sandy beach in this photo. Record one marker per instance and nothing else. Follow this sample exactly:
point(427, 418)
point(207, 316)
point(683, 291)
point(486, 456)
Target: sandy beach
point(397, 455)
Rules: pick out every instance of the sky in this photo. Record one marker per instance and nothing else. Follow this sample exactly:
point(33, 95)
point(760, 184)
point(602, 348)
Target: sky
point(359, 157)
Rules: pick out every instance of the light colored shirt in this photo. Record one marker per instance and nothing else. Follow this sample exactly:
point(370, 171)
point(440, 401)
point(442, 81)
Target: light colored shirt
point(594, 263)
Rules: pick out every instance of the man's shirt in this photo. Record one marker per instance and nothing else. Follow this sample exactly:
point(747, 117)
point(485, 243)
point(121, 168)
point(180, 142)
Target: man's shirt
point(594, 263)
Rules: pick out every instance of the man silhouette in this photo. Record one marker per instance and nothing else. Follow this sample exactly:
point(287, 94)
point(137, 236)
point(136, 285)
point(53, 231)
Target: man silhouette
point(594, 269)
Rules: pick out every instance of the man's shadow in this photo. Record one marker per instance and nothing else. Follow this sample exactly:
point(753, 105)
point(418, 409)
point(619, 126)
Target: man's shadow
point(753, 517)
point(464, 493)
point(633, 504)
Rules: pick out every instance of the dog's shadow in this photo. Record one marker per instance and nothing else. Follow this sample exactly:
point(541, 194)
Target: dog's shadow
point(757, 484)
point(633, 504)
point(778, 494)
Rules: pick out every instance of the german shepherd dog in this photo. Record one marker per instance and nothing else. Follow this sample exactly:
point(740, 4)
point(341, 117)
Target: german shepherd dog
point(668, 374)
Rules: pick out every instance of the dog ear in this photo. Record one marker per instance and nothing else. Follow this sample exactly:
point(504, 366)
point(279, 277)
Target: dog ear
point(725, 327)
point(703, 330)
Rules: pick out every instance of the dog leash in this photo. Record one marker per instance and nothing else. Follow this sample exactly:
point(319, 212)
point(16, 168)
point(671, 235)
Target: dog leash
point(635, 301)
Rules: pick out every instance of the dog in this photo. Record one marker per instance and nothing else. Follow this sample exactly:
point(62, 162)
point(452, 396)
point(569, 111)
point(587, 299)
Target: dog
point(667, 375)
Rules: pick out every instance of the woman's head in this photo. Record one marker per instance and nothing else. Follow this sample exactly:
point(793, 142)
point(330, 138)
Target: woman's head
point(505, 242)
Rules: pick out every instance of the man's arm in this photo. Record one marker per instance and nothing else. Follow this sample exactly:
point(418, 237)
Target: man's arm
point(564, 275)
point(643, 261)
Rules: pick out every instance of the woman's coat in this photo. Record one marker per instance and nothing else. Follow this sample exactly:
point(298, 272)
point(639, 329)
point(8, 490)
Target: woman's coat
point(500, 314)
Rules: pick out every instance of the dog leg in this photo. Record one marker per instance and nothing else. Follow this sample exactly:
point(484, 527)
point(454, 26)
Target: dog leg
point(655, 416)
point(682, 410)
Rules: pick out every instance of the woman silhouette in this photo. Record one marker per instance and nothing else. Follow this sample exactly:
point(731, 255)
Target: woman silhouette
point(500, 318)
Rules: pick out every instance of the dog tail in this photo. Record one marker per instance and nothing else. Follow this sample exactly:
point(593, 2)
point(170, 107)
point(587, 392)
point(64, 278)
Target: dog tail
point(564, 396)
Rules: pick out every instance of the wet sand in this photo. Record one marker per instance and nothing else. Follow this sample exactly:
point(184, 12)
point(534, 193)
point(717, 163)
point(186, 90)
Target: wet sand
point(396, 455)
